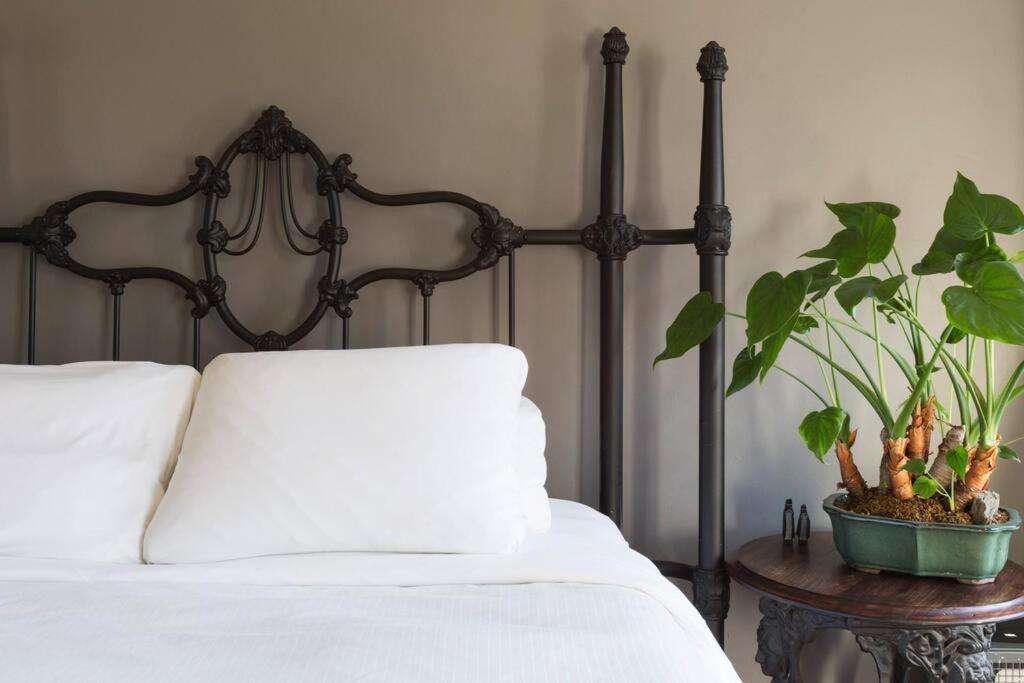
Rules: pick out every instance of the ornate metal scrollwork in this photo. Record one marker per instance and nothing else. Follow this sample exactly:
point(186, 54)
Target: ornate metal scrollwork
point(781, 635)
point(711, 592)
point(49, 235)
point(338, 295)
point(712, 65)
point(272, 135)
point(614, 48)
point(426, 282)
point(208, 178)
point(496, 236)
point(270, 341)
point(337, 177)
point(205, 295)
point(215, 236)
point(954, 653)
point(714, 229)
point(611, 237)
point(116, 282)
point(329, 235)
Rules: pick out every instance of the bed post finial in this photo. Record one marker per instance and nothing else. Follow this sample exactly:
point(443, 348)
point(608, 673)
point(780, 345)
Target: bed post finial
point(713, 225)
point(614, 48)
point(712, 65)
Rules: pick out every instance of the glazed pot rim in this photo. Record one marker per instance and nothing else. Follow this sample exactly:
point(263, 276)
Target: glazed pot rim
point(1012, 524)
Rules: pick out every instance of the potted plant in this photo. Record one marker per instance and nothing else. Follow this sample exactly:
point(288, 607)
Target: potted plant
point(933, 516)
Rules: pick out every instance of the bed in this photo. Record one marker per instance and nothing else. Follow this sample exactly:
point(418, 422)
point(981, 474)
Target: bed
point(569, 602)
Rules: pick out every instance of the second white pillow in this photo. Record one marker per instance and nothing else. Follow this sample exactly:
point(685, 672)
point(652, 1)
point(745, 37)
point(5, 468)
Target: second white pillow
point(408, 449)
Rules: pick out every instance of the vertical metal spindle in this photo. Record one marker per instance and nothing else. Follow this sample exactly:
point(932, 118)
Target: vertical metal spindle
point(117, 289)
point(512, 298)
point(426, 319)
point(614, 50)
point(713, 227)
point(32, 292)
point(344, 333)
point(196, 340)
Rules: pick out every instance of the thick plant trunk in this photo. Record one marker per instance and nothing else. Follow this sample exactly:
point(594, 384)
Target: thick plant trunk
point(940, 471)
point(982, 465)
point(919, 433)
point(853, 482)
point(900, 484)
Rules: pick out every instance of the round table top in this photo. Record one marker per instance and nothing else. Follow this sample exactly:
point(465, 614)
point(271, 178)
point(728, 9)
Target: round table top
point(815, 576)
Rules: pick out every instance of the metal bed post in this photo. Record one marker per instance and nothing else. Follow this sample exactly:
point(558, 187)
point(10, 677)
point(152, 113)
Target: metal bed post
point(611, 237)
point(713, 232)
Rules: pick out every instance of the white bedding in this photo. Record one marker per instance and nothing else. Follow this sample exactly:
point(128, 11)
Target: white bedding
point(574, 604)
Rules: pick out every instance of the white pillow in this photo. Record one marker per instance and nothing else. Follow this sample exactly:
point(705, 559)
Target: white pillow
point(532, 468)
point(407, 449)
point(85, 452)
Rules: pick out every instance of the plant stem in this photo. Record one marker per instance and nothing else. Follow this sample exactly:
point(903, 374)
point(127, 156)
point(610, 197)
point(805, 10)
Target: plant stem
point(806, 385)
point(828, 343)
point(878, 351)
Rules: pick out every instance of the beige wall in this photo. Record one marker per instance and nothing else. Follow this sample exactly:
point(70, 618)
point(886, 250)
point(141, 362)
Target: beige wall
point(824, 99)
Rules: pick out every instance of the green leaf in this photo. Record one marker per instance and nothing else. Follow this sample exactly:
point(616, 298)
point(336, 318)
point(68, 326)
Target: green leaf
point(957, 459)
point(925, 487)
point(1008, 453)
point(971, 215)
point(744, 370)
point(848, 249)
point(955, 335)
point(966, 263)
point(1017, 258)
point(993, 308)
point(943, 251)
point(879, 233)
point(773, 301)
point(852, 292)
point(820, 429)
point(850, 214)
point(695, 323)
point(772, 346)
point(805, 323)
point(915, 467)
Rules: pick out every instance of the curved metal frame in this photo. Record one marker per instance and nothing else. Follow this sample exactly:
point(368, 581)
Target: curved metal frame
point(273, 140)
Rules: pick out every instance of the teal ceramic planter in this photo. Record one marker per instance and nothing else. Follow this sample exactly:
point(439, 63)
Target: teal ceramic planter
point(972, 554)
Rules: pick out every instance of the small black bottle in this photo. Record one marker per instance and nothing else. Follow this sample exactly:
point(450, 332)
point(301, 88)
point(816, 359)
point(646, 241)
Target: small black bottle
point(803, 526)
point(788, 527)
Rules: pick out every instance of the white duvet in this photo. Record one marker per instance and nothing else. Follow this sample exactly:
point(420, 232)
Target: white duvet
point(574, 604)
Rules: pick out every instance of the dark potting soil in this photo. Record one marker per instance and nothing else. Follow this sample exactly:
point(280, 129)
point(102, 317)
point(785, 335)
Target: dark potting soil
point(876, 504)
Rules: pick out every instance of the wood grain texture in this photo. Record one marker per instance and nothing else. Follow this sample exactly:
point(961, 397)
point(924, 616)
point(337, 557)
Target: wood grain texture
point(816, 577)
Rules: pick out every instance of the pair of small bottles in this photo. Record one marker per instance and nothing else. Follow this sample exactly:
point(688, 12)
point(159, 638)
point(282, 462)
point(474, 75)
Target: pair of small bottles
point(801, 530)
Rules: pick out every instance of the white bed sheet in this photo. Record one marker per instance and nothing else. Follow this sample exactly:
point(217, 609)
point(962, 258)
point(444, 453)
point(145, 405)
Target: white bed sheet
point(574, 604)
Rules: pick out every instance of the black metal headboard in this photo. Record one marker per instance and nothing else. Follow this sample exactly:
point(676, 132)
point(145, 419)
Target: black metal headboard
point(273, 141)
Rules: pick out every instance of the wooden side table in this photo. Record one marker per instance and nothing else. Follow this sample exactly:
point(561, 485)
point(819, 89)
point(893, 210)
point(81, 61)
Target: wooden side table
point(938, 626)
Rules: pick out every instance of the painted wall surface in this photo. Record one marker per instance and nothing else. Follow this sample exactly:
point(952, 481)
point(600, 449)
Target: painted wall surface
point(501, 100)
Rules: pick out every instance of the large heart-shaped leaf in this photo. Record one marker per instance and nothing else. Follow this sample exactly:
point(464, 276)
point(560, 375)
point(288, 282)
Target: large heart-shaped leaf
point(773, 301)
point(879, 233)
point(870, 240)
point(970, 215)
point(993, 308)
point(850, 214)
point(820, 429)
point(847, 248)
point(943, 252)
point(694, 323)
point(852, 292)
point(744, 370)
point(966, 263)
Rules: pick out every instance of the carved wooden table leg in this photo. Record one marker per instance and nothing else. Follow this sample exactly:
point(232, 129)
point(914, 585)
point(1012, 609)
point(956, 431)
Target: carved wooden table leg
point(949, 654)
point(781, 636)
